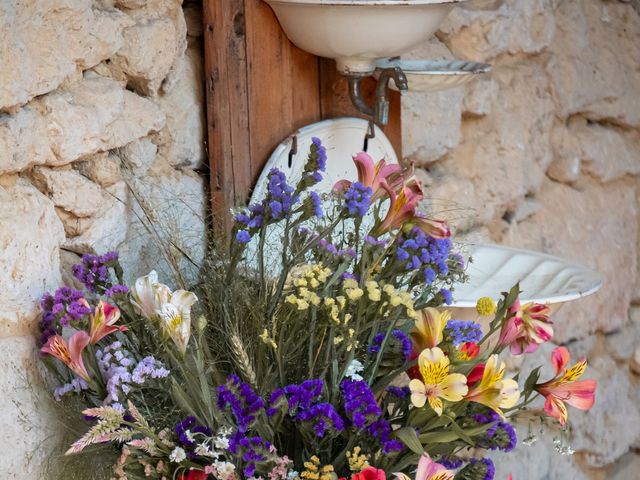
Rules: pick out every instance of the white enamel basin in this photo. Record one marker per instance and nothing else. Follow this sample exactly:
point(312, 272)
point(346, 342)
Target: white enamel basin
point(357, 32)
point(543, 278)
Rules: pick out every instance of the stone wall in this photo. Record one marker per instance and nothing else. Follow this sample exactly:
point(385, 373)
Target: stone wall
point(545, 154)
point(101, 131)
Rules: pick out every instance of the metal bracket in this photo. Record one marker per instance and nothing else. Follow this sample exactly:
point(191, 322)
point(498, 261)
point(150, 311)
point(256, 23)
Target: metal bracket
point(294, 150)
point(379, 113)
point(371, 134)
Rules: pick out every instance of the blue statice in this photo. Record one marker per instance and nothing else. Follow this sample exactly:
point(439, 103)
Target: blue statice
point(116, 290)
point(373, 241)
point(93, 271)
point(326, 246)
point(316, 204)
point(477, 469)
point(243, 402)
point(460, 331)
point(316, 165)
point(243, 236)
point(187, 432)
point(357, 199)
point(121, 372)
point(251, 450)
point(421, 252)
point(66, 305)
point(281, 196)
point(398, 336)
point(76, 385)
point(451, 462)
point(447, 296)
point(500, 436)
point(381, 430)
point(301, 397)
point(323, 418)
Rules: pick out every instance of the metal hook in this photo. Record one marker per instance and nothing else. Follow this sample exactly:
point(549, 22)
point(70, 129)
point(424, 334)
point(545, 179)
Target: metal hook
point(371, 134)
point(294, 149)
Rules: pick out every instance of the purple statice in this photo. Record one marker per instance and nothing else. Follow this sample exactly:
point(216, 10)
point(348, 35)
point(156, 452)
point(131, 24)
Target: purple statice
point(500, 436)
point(116, 290)
point(251, 450)
point(359, 403)
point(323, 418)
point(242, 400)
point(274, 403)
point(421, 252)
point(460, 331)
point(76, 385)
point(187, 430)
point(357, 199)
point(66, 305)
point(373, 241)
point(243, 236)
point(447, 296)
point(121, 372)
point(396, 335)
point(93, 271)
point(316, 204)
point(301, 397)
point(281, 196)
point(399, 392)
point(477, 469)
point(381, 430)
point(451, 462)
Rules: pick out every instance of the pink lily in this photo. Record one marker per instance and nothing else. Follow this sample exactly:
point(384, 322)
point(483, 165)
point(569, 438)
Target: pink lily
point(526, 328)
point(428, 470)
point(564, 387)
point(101, 323)
point(69, 353)
point(372, 175)
point(402, 206)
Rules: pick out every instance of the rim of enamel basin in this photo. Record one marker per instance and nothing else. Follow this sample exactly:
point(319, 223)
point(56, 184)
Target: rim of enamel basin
point(368, 3)
point(588, 281)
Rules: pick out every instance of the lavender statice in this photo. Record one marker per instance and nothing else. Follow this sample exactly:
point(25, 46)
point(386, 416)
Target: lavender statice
point(423, 253)
point(397, 336)
point(66, 305)
point(399, 392)
point(381, 430)
point(116, 290)
point(281, 196)
point(460, 331)
point(451, 462)
point(301, 397)
point(76, 385)
point(447, 296)
point(323, 418)
point(122, 372)
point(477, 469)
point(359, 403)
point(316, 204)
point(243, 402)
point(93, 271)
point(357, 199)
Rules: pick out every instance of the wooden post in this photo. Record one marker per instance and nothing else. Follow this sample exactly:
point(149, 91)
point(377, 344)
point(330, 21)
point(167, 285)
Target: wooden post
point(260, 88)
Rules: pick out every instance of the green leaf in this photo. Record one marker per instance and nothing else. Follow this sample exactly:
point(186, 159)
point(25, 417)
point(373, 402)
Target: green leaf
point(181, 400)
point(409, 437)
point(532, 379)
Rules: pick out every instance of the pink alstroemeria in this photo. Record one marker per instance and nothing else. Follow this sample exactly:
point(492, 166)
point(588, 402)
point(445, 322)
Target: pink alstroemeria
point(69, 353)
point(564, 387)
point(526, 328)
point(372, 175)
point(434, 228)
point(102, 322)
point(402, 206)
point(428, 470)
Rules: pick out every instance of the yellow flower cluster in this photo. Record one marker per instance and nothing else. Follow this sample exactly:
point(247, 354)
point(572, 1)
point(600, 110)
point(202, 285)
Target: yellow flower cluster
point(266, 338)
point(336, 306)
point(306, 282)
point(314, 470)
point(352, 289)
point(356, 460)
point(486, 307)
point(400, 297)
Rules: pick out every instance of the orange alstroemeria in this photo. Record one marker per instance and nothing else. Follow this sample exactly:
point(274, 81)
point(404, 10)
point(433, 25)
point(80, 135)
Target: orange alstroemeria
point(427, 333)
point(564, 387)
point(69, 353)
point(102, 322)
point(526, 328)
point(493, 391)
point(372, 175)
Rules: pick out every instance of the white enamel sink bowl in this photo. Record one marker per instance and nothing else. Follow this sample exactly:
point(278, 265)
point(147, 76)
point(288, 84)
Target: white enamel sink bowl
point(543, 279)
point(357, 32)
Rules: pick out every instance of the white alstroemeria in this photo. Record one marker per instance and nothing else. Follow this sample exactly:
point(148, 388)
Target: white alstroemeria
point(155, 301)
point(353, 370)
point(175, 317)
point(149, 295)
point(225, 470)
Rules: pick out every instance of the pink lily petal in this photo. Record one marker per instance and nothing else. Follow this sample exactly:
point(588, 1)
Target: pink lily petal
point(560, 358)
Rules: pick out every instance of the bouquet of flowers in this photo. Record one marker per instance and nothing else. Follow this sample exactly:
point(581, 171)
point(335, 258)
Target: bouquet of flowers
point(314, 348)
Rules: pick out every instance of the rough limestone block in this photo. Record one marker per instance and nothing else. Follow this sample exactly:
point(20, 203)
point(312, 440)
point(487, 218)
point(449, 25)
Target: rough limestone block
point(43, 43)
point(27, 421)
point(30, 238)
point(23, 141)
point(101, 168)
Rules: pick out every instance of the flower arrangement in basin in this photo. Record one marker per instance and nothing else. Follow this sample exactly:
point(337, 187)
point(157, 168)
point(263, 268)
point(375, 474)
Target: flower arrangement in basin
point(345, 363)
point(357, 32)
